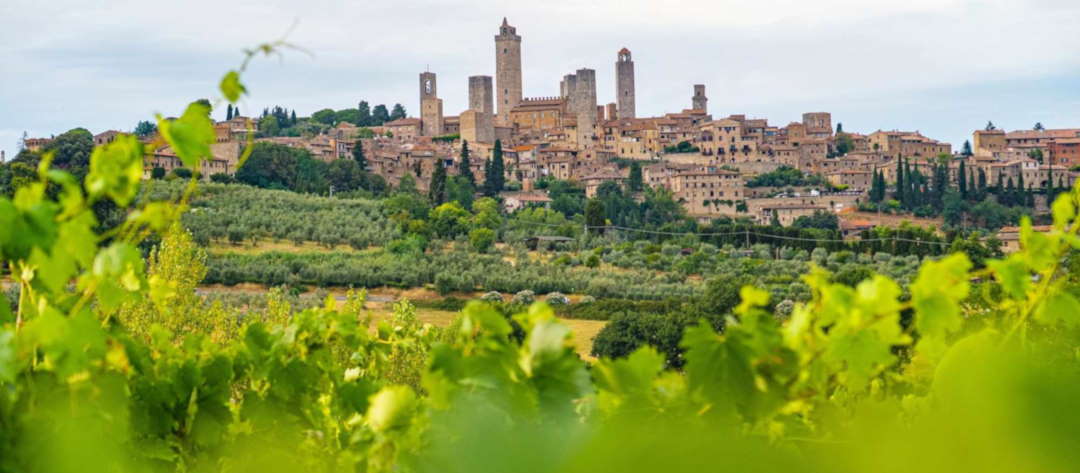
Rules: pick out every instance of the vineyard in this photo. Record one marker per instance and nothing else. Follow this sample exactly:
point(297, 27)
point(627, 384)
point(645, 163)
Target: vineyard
point(110, 361)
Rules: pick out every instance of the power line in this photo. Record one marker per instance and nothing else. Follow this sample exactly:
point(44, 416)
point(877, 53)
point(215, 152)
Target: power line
point(746, 233)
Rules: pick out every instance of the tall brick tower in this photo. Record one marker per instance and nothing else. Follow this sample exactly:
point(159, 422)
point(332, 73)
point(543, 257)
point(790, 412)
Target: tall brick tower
point(507, 70)
point(431, 113)
point(624, 85)
point(700, 101)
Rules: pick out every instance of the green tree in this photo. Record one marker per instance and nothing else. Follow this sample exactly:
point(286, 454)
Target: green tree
point(594, 215)
point(325, 116)
point(901, 186)
point(961, 180)
point(437, 188)
point(358, 155)
point(380, 115)
point(72, 149)
point(398, 112)
point(1038, 126)
point(967, 148)
point(635, 183)
point(144, 129)
point(458, 189)
point(407, 185)
point(363, 116)
point(228, 112)
point(482, 239)
point(157, 172)
point(465, 165)
point(498, 168)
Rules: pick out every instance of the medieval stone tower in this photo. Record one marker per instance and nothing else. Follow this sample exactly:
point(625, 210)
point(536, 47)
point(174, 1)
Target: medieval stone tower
point(431, 112)
point(700, 101)
point(624, 85)
point(579, 90)
point(481, 94)
point(507, 70)
point(477, 123)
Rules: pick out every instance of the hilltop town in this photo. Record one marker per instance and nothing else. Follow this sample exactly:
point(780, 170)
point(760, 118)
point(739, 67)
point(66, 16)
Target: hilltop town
point(714, 166)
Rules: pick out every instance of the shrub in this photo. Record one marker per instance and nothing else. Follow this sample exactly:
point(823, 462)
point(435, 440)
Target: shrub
point(482, 239)
point(492, 296)
point(524, 297)
point(557, 299)
point(592, 261)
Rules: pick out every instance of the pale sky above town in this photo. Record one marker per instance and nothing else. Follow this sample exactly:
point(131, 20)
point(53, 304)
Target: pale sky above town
point(943, 67)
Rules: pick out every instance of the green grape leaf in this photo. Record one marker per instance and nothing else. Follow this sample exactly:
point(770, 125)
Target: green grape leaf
point(549, 360)
point(1013, 275)
point(191, 135)
point(751, 297)
point(1063, 210)
point(1038, 247)
point(8, 362)
point(231, 86)
point(936, 295)
point(116, 170)
point(1059, 306)
point(631, 377)
point(391, 409)
point(718, 370)
point(118, 273)
point(863, 354)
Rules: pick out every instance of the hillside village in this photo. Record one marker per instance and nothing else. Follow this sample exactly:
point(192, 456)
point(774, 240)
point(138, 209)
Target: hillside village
point(709, 163)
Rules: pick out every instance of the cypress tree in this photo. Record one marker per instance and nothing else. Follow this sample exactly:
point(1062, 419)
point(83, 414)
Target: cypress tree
point(961, 181)
point(900, 186)
point(465, 166)
point(292, 119)
point(437, 189)
point(635, 182)
point(982, 184)
point(1049, 187)
point(1021, 190)
point(1008, 195)
point(228, 112)
point(489, 187)
point(358, 155)
point(498, 168)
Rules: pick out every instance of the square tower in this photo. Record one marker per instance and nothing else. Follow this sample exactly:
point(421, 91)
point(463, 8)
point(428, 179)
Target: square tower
point(624, 85)
point(431, 113)
point(700, 101)
point(481, 94)
point(507, 70)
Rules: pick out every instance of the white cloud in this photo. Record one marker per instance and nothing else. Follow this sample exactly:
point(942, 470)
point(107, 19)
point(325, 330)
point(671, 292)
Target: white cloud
point(108, 64)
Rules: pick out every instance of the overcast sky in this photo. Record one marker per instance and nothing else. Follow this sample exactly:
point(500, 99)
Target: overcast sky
point(943, 67)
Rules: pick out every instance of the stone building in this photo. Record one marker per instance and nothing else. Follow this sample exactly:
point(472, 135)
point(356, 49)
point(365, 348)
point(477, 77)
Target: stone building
point(507, 70)
point(477, 124)
point(699, 101)
point(907, 144)
point(624, 86)
point(579, 90)
point(431, 111)
point(539, 113)
point(818, 124)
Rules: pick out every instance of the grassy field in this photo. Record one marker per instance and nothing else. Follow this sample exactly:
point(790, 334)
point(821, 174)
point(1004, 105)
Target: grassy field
point(380, 303)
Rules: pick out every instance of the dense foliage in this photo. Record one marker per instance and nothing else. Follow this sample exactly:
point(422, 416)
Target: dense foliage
point(949, 376)
point(237, 213)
